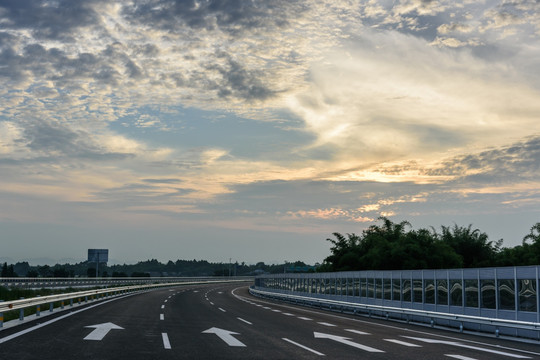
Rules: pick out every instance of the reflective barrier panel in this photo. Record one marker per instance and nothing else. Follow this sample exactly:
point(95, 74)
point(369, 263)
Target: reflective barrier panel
point(509, 293)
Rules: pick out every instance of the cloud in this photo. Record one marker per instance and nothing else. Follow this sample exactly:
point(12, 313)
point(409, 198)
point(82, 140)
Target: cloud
point(396, 97)
point(232, 16)
point(269, 116)
point(510, 164)
point(54, 20)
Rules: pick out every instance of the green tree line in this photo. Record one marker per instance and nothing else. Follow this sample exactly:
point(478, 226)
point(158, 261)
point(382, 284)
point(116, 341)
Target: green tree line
point(395, 246)
point(147, 268)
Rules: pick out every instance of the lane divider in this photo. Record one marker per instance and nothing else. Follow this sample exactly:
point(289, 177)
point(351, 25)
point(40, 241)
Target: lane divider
point(166, 342)
point(247, 322)
point(304, 347)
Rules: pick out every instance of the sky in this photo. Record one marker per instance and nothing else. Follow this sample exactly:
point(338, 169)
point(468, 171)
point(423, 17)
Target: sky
point(252, 130)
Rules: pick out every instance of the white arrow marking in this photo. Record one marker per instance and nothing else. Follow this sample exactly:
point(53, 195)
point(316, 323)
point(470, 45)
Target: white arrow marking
point(345, 341)
point(434, 341)
point(225, 335)
point(101, 330)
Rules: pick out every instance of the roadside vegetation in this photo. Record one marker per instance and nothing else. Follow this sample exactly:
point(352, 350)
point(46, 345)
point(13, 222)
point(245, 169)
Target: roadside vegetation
point(384, 246)
point(151, 268)
point(395, 246)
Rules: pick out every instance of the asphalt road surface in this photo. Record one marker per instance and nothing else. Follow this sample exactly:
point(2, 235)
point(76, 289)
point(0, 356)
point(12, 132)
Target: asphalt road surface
point(226, 322)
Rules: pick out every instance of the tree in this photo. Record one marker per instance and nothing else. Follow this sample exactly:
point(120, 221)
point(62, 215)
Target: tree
point(8, 271)
point(534, 235)
point(60, 273)
point(534, 247)
point(4, 272)
point(32, 274)
point(394, 246)
point(472, 246)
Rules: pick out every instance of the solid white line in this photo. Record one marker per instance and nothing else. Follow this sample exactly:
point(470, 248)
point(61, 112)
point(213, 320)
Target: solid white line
point(26, 331)
point(166, 342)
point(223, 310)
point(304, 347)
point(399, 342)
point(247, 322)
point(459, 357)
point(161, 317)
point(326, 324)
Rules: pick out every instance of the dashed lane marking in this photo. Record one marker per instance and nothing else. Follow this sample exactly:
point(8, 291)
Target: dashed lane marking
point(247, 322)
point(404, 343)
point(358, 332)
point(166, 342)
point(460, 357)
point(304, 347)
point(326, 324)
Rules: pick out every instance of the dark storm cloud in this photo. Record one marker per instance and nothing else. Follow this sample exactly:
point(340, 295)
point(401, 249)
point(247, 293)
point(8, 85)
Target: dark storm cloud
point(54, 20)
point(232, 16)
point(519, 161)
point(239, 82)
point(54, 64)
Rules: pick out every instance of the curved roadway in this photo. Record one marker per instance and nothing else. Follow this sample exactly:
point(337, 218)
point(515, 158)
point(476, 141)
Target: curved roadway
point(226, 322)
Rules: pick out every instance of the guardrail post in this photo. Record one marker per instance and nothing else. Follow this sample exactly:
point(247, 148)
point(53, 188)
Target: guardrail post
point(51, 307)
point(1, 317)
point(497, 332)
point(86, 299)
point(21, 312)
point(62, 304)
point(38, 308)
point(461, 327)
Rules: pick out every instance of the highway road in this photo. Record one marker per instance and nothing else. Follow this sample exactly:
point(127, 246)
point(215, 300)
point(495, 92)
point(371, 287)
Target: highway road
point(226, 322)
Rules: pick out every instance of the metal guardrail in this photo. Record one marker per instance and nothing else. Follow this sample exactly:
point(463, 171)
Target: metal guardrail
point(50, 299)
point(408, 313)
point(86, 282)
